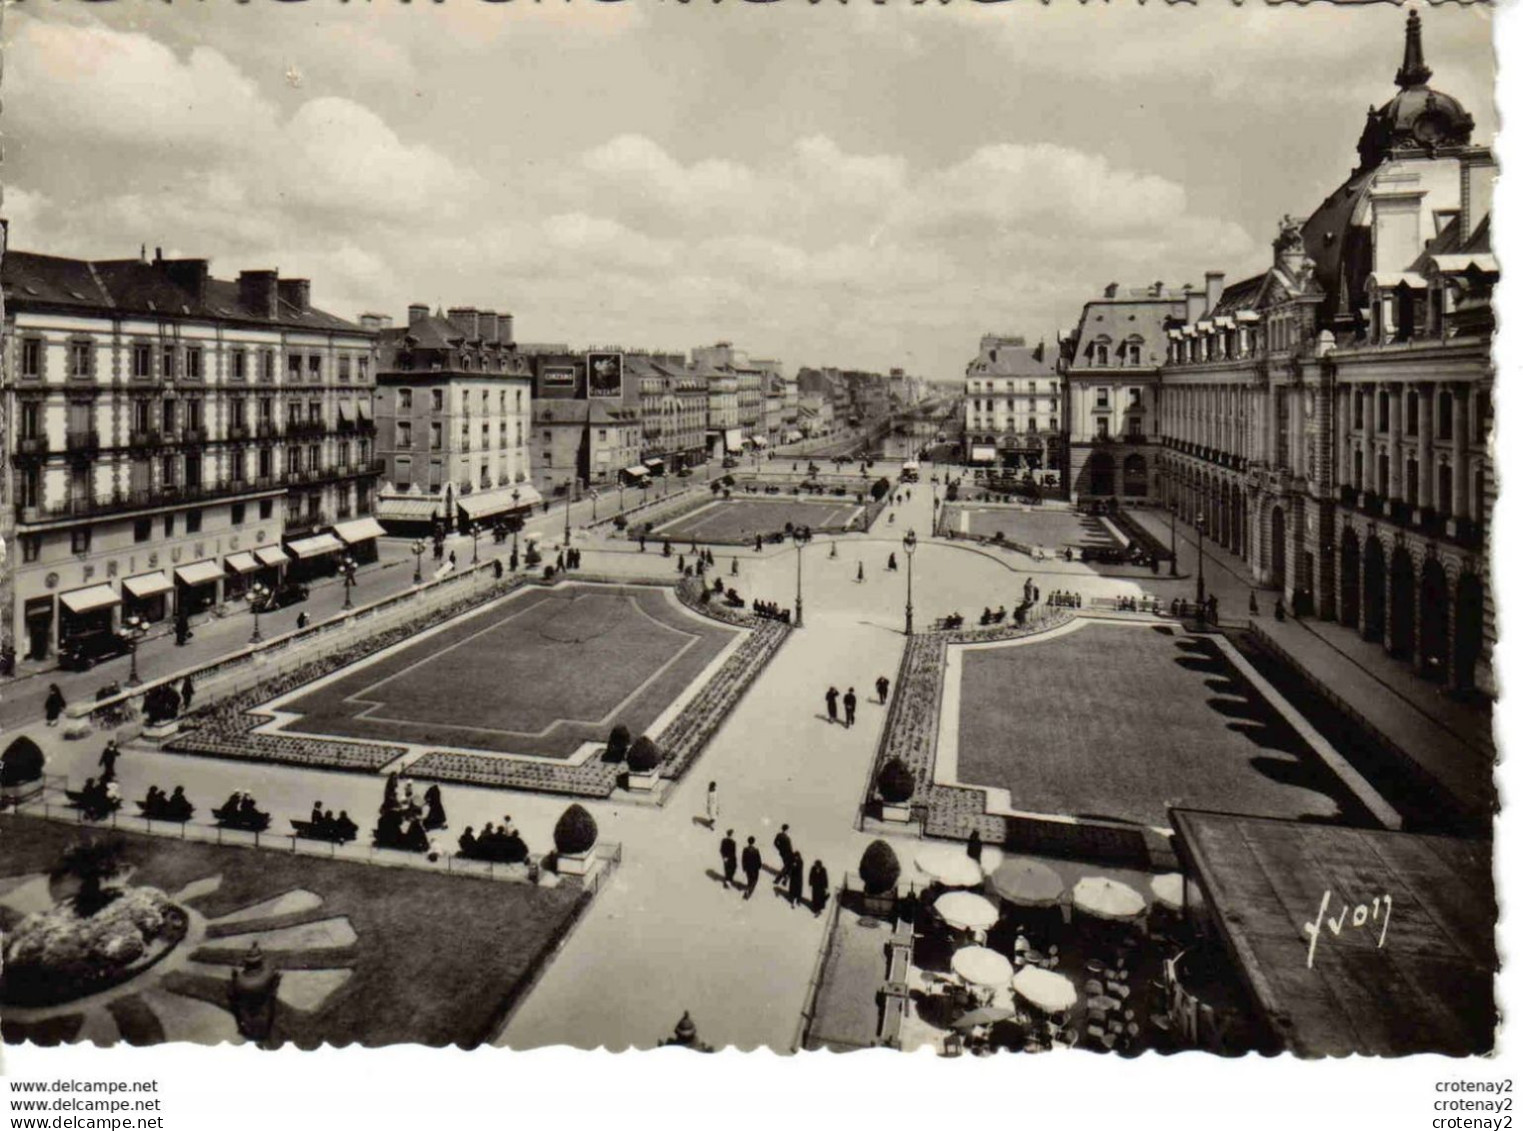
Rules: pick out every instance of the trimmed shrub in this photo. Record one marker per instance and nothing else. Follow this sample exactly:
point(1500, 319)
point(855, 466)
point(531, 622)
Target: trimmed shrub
point(896, 784)
point(618, 742)
point(644, 756)
point(532, 556)
point(161, 704)
point(576, 832)
point(549, 573)
point(879, 868)
point(880, 488)
point(21, 763)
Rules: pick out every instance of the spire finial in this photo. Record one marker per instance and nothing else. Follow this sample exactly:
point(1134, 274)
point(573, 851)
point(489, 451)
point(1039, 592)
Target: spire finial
point(1414, 72)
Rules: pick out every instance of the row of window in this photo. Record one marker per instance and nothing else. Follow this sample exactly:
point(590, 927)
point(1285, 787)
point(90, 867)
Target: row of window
point(981, 422)
point(436, 400)
point(170, 362)
point(991, 387)
point(1444, 413)
point(436, 435)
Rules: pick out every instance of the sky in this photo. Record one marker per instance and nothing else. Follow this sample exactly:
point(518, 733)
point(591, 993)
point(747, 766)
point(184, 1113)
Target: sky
point(854, 184)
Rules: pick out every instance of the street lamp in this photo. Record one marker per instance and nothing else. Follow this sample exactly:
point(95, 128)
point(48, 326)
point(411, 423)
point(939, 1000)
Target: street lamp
point(799, 539)
point(258, 594)
point(134, 625)
point(570, 483)
point(417, 550)
point(347, 565)
point(475, 542)
point(1173, 507)
point(909, 586)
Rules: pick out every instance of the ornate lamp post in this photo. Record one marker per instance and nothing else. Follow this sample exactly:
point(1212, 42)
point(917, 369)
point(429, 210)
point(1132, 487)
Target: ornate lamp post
point(798, 594)
point(258, 594)
point(475, 543)
point(909, 584)
point(417, 550)
point(134, 625)
point(347, 566)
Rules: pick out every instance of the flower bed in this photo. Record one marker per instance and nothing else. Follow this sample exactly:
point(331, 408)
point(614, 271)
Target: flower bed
point(58, 955)
point(593, 778)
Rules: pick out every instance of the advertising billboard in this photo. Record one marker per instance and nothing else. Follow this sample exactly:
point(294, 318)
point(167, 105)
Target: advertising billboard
point(605, 375)
point(558, 376)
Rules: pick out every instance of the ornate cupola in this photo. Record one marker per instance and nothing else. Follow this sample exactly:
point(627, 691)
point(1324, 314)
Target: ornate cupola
point(1418, 119)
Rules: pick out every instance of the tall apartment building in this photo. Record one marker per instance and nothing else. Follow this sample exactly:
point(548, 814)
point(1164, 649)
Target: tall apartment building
point(453, 411)
point(1014, 407)
point(175, 436)
point(673, 410)
point(580, 440)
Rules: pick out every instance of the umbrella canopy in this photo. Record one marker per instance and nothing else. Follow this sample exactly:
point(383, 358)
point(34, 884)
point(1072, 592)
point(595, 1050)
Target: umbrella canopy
point(1107, 899)
point(1169, 890)
point(950, 866)
point(980, 966)
point(984, 1015)
point(967, 911)
point(1049, 992)
point(1027, 883)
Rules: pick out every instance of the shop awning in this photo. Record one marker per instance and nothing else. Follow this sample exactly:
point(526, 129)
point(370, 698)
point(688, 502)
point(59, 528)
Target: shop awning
point(636, 472)
point(795, 437)
point(409, 508)
point(271, 556)
point(732, 440)
point(146, 585)
point(362, 408)
point(359, 530)
point(499, 500)
point(983, 454)
point(315, 547)
point(90, 598)
point(199, 573)
point(759, 441)
point(240, 563)
point(655, 463)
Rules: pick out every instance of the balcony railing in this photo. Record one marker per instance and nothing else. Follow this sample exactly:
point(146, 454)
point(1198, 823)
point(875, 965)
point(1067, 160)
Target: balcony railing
point(303, 523)
point(32, 446)
point(267, 430)
point(238, 432)
point(145, 438)
point(193, 434)
point(140, 499)
point(84, 440)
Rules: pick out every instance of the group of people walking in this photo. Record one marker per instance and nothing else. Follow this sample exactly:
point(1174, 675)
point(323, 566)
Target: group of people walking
point(788, 875)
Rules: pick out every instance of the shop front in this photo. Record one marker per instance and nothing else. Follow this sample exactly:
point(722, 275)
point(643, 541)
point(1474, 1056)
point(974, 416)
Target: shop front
point(360, 535)
point(147, 596)
point(38, 615)
point(85, 611)
point(272, 561)
point(313, 557)
point(634, 476)
point(196, 586)
point(240, 568)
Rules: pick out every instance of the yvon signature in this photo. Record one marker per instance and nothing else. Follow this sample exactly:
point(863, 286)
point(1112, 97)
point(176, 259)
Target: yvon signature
point(1361, 916)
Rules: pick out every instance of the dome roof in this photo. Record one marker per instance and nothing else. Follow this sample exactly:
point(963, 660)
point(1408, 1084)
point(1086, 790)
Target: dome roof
point(1418, 118)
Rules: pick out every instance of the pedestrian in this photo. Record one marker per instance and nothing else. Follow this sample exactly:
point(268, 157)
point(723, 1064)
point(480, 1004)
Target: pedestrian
point(750, 864)
point(860, 576)
point(734, 567)
point(784, 845)
point(796, 879)
point(975, 847)
point(187, 693)
point(301, 619)
point(560, 562)
point(883, 689)
point(727, 856)
point(819, 888)
point(893, 564)
point(108, 758)
point(830, 702)
point(55, 704)
point(1253, 603)
point(711, 805)
point(850, 703)
point(497, 570)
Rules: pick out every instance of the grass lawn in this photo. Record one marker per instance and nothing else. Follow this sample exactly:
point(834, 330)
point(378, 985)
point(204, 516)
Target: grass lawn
point(1119, 723)
point(437, 958)
point(740, 520)
point(539, 674)
point(1044, 527)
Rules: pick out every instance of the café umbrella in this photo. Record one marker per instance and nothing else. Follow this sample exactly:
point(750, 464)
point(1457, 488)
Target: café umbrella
point(1107, 899)
point(950, 866)
point(980, 966)
point(1169, 890)
point(965, 911)
point(1027, 883)
point(1049, 992)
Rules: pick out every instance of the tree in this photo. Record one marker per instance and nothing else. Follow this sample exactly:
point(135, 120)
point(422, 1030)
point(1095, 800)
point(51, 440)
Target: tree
point(618, 743)
point(92, 863)
point(881, 488)
point(644, 755)
point(161, 704)
point(21, 763)
point(879, 868)
point(896, 784)
point(576, 832)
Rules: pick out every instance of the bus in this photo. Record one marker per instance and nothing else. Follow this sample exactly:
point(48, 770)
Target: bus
point(910, 472)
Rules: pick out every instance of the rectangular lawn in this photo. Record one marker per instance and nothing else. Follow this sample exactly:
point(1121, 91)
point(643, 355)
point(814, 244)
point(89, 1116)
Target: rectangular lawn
point(741, 520)
point(1049, 527)
point(1120, 722)
point(539, 674)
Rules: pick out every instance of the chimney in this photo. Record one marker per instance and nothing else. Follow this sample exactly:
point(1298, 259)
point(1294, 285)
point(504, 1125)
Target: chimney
point(1478, 174)
point(417, 312)
point(1157, 289)
point(505, 329)
point(376, 321)
point(1214, 289)
point(296, 292)
point(486, 320)
point(1195, 304)
point(189, 275)
point(465, 320)
point(256, 292)
point(1111, 289)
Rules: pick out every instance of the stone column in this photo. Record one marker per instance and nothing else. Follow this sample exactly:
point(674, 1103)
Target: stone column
point(1425, 444)
point(1397, 400)
point(1461, 502)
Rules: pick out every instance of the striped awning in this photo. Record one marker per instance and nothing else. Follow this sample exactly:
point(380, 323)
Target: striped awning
point(90, 598)
point(359, 530)
point(146, 585)
point(199, 573)
point(271, 556)
point(240, 563)
point(314, 547)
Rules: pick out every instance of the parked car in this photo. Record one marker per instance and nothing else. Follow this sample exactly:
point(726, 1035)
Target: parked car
point(83, 652)
point(282, 595)
point(730, 461)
